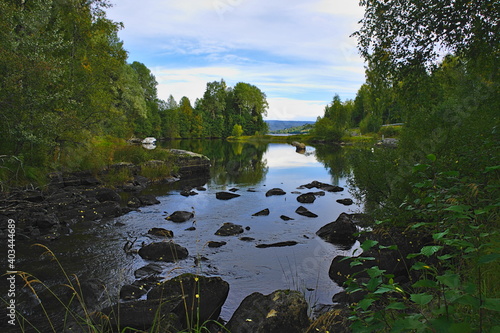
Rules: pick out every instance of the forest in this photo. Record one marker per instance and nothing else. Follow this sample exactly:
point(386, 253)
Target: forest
point(66, 87)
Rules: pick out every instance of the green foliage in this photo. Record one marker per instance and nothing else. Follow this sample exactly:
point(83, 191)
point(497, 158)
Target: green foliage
point(237, 131)
point(456, 288)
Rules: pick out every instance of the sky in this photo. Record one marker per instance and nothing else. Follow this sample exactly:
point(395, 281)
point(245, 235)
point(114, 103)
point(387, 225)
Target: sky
point(298, 52)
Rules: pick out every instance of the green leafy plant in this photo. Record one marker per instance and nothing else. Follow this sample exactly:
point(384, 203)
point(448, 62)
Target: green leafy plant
point(454, 285)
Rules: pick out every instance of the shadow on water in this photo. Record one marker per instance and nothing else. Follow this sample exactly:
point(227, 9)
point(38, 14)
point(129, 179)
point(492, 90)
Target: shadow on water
point(95, 250)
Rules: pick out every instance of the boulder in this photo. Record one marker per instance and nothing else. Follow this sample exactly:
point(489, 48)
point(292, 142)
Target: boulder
point(129, 292)
point(229, 229)
point(107, 194)
point(285, 218)
point(305, 212)
point(148, 200)
point(306, 197)
point(202, 296)
point(263, 212)
point(163, 251)
point(341, 231)
point(180, 216)
point(226, 195)
point(141, 315)
point(283, 311)
point(275, 191)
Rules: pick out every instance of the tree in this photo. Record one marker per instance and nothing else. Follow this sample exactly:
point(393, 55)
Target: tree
point(250, 107)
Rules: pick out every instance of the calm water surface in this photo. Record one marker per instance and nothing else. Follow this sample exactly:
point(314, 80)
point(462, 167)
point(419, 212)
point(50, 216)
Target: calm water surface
point(95, 250)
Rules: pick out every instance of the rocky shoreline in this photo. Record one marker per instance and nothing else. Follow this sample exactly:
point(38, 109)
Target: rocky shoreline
point(45, 215)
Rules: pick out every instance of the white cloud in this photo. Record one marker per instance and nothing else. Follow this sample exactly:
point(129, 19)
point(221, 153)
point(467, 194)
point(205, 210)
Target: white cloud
point(299, 53)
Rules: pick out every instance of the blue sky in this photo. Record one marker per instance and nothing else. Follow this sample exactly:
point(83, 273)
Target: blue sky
point(298, 53)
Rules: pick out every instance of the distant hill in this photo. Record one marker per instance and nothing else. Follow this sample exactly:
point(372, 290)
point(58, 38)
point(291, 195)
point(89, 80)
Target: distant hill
point(276, 125)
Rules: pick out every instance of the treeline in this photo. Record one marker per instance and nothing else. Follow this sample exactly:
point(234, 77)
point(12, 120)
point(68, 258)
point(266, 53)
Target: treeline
point(65, 80)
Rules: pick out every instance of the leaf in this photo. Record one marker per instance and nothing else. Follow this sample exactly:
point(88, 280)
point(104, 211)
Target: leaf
point(396, 306)
point(365, 303)
point(492, 168)
point(421, 299)
point(431, 157)
point(459, 208)
point(425, 283)
point(491, 304)
point(430, 250)
point(420, 167)
point(368, 244)
point(375, 271)
point(440, 235)
point(451, 280)
point(468, 300)
point(487, 258)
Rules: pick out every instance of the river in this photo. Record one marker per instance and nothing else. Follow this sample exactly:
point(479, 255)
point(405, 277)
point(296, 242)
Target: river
point(95, 249)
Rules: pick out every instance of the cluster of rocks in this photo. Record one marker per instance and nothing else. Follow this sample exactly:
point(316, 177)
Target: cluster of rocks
point(70, 198)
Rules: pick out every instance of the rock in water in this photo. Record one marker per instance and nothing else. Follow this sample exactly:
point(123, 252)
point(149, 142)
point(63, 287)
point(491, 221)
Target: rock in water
point(229, 229)
point(341, 231)
point(163, 251)
point(305, 212)
point(306, 198)
point(278, 244)
point(280, 312)
point(263, 212)
point(275, 191)
point(346, 202)
point(226, 195)
point(180, 216)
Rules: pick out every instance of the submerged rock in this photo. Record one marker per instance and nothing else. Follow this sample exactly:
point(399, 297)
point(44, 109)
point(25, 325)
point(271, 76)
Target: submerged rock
point(226, 195)
point(275, 191)
point(180, 216)
point(323, 186)
point(285, 218)
point(278, 244)
point(263, 212)
point(163, 251)
point(283, 311)
point(128, 292)
point(215, 244)
point(346, 201)
point(305, 212)
point(161, 232)
point(309, 197)
point(229, 229)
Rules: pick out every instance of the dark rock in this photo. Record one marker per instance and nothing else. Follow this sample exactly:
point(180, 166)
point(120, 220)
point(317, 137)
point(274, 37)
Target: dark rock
point(283, 311)
point(201, 188)
point(306, 198)
point(226, 195)
point(333, 321)
point(148, 270)
point(278, 244)
point(190, 229)
point(187, 193)
point(141, 315)
point(148, 200)
point(285, 218)
point(275, 191)
point(107, 194)
point(234, 189)
point(134, 202)
point(229, 229)
point(203, 296)
point(346, 201)
point(216, 244)
point(341, 231)
point(163, 251)
point(323, 186)
point(129, 292)
point(247, 239)
point(108, 209)
point(263, 212)
point(191, 164)
point(305, 212)
point(45, 221)
point(180, 216)
point(161, 232)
